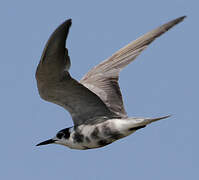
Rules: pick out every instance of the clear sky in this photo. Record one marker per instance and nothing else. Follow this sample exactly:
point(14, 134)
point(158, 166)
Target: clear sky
point(163, 80)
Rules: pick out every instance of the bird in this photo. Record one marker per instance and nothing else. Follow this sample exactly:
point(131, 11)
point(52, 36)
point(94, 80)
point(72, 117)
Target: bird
point(95, 102)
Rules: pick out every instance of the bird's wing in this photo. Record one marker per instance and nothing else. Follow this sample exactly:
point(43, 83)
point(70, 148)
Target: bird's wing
point(103, 79)
point(56, 85)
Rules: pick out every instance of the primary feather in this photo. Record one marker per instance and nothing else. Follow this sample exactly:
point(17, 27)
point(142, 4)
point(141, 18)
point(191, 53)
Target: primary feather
point(98, 93)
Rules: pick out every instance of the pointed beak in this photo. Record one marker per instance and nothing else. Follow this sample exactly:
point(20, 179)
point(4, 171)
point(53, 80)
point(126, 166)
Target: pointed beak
point(50, 141)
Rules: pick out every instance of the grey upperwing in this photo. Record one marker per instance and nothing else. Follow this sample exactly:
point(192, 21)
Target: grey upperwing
point(103, 79)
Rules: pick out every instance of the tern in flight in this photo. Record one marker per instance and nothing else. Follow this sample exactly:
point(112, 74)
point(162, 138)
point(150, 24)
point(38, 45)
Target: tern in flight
point(95, 102)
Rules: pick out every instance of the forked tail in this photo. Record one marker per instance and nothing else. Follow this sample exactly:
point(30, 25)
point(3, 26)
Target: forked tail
point(142, 122)
point(150, 120)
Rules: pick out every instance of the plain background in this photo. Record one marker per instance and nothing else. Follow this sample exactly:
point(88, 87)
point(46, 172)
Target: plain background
point(162, 80)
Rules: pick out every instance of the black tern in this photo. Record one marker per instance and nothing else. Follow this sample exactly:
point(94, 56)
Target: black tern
point(95, 102)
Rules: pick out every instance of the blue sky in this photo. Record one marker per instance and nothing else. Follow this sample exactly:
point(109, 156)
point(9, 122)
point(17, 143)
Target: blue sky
point(163, 80)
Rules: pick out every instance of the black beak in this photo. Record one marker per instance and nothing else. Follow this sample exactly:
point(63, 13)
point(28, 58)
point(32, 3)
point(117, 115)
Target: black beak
point(50, 141)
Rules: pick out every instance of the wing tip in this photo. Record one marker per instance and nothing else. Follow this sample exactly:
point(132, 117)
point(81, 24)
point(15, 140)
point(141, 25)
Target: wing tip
point(179, 19)
point(182, 17)
point(173, 22)
point(67, 23)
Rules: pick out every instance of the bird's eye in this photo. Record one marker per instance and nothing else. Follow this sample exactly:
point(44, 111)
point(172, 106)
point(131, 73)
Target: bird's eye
point(60, 135)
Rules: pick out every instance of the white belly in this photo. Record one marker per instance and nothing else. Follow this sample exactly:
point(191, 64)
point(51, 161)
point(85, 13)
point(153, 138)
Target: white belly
point(102, 134)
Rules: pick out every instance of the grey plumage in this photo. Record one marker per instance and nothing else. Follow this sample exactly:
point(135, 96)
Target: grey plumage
point(103, 79)
point(56, 85)
point(98, 94)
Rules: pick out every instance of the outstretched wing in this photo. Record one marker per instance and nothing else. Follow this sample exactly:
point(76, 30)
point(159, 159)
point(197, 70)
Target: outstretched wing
point(56, 85)
point(103, 79)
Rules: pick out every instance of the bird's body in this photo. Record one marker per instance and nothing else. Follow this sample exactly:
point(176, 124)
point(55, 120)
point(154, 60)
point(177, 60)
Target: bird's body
point(96, 135)
point(101, 134)
point(95, 102)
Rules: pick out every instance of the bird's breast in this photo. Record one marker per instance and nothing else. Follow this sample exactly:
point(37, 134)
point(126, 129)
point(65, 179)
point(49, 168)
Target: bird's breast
point(94, 136)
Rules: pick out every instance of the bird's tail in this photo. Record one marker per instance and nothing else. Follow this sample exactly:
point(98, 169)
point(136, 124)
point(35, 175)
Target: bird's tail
point(139, 122)
point(133, 124)
point(150, 120)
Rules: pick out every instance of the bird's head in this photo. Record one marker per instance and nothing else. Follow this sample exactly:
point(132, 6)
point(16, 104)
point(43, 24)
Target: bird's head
point(62, 137)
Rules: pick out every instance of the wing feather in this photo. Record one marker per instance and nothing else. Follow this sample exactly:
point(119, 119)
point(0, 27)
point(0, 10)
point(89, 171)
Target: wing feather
point(57, 86)
point(103, 79)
